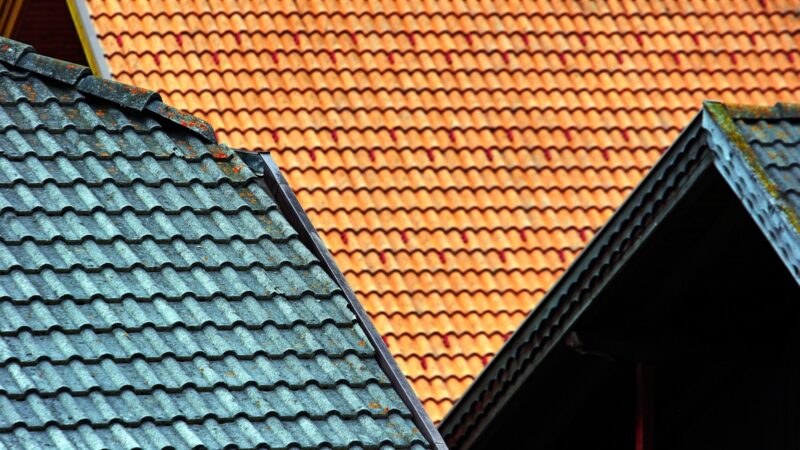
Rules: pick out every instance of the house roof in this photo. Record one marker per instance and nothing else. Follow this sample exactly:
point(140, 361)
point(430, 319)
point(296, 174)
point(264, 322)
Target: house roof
point(154, 294)
point(755, 151)
point(456, 156)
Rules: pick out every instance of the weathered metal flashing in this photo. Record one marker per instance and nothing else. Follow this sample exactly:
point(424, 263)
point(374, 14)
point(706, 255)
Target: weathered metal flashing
point(544, 328)
point(722, 120)
point(719, 119)
point(253, 160)
point(777, 111)
point(280, 190)
point(22, 56)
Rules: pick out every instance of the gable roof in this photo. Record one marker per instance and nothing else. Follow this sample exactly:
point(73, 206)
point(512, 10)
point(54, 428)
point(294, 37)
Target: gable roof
point(456, 155)
point(755, 151)
point(155, 295)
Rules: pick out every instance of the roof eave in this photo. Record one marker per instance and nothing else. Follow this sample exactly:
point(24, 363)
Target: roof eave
point(637, 218)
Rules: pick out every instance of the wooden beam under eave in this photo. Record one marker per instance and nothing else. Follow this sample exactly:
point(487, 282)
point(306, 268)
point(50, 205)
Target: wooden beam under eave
point(10, 12)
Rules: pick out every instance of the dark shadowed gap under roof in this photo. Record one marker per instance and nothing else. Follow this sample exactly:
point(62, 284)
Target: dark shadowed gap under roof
point(743, 163)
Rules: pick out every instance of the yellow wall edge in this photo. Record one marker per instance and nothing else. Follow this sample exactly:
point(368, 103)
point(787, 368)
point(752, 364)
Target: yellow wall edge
point(81, 27)
point(11, 19)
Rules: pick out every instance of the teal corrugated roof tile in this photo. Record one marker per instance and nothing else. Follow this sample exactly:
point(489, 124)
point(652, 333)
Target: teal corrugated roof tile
point(152, 293)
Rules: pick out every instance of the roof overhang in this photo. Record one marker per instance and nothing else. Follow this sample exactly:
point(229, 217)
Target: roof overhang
point(675, 175)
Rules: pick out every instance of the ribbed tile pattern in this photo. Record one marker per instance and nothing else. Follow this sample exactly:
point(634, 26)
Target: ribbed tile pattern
point(455, 155)
point(775, 143)
point(773, 134)
point(152, 295)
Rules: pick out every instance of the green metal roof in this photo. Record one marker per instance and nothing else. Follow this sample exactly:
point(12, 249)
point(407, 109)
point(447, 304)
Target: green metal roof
point(153, 294)
point(754, 148)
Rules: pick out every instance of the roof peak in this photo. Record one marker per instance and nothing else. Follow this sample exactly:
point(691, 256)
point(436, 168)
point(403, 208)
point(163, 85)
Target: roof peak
point(744, 111)
point(23, 56)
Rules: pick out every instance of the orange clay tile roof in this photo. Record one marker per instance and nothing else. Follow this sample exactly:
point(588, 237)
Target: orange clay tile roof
point(455, 156)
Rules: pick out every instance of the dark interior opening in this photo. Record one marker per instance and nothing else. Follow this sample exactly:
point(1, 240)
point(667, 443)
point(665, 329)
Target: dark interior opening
point(48, 27)
point(707, 305)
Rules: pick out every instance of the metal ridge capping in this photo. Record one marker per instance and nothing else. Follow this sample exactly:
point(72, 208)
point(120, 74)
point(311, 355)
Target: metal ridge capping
point(24, 56)
point(279, 187)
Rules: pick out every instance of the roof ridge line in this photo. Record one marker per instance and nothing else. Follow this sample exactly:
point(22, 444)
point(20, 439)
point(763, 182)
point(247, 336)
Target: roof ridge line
point(780, 110)
point(462, 422)
point(278, 187)
point(23, 56)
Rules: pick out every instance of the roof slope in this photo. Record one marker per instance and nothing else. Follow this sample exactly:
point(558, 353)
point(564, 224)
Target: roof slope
point(455, 155)
point(756, 151)
point(152, 293)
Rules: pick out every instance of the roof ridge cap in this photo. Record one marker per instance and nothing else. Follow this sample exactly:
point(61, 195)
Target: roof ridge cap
point(23, 56)
point(780, 110)
point(720, 121)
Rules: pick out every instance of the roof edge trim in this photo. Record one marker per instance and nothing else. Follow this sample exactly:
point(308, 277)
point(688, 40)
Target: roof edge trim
point(718, 120)
point(279, 187)
point(636, 219)
point(736, 161)
point(91, 45)
point(24, 57)
point(182, 119)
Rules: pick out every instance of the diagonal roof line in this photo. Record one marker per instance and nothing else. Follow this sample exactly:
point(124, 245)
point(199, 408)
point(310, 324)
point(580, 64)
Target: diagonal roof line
point(279, 188)
point(730, 154)
point(525, 349)
point(91, 45)
point(185, 135)
point(461, 90)
point(736, 161)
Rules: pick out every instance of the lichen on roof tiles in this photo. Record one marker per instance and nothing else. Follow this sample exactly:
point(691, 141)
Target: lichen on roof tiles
point(153, 295)
point(766, 137)
point(381, 112)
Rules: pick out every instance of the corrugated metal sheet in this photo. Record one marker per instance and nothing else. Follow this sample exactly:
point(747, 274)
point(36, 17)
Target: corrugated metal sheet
point(152, 294)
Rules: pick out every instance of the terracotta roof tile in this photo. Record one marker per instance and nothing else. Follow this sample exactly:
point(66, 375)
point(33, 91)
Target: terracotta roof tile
point(455, 156)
